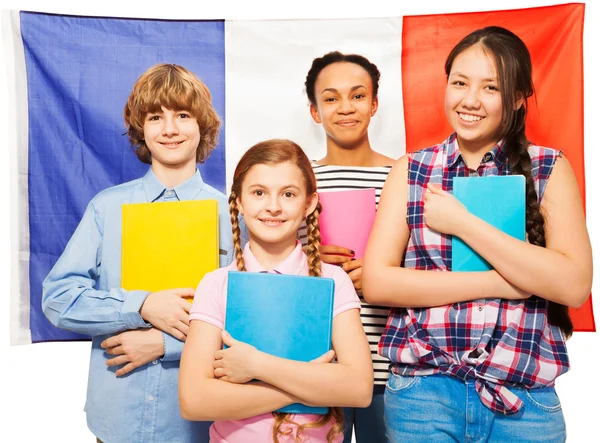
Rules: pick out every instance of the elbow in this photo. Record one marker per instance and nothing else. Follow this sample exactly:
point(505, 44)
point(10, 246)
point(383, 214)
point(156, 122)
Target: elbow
point(364, 395)
point(577, 297)
point(575, 293)
point(370, 288)
point(191, 408)
point(363, 392)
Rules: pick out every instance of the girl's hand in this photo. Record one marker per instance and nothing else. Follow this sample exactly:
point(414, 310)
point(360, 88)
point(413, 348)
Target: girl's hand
point(443, 212)
point(238, 363)
point(354, 270)
point(335, 255)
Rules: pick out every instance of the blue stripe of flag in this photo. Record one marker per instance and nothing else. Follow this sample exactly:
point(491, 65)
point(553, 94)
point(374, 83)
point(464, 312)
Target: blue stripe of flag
point(80, 71)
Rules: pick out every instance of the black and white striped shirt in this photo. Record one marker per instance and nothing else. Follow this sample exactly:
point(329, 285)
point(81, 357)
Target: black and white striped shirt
point(373, 317)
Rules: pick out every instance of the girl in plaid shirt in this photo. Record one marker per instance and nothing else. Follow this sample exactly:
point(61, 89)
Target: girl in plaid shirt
point(475, 354)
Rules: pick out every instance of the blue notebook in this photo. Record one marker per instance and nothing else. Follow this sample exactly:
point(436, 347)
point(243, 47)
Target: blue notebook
point(500, 201)
point(283, 315)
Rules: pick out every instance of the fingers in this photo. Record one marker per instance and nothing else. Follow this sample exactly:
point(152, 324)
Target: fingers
point(219, 373)
point(117, 361)
point(325, 358)
point(184, 292)
point(117, 350)
point(176, 333)
point(356, 277)
point(111, 342)
point(435, 189)
point(335, 259)
point(352, 265)
point(125, 369)
point(335, 250)
point(227, 339)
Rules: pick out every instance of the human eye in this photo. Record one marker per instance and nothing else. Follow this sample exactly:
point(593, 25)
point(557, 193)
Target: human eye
point(458, 83)
point(184, 114)
point(330, 99)
point(258, 192)
point(289, 194)
point(152, 117)
point(358, 96)
point(492, 88)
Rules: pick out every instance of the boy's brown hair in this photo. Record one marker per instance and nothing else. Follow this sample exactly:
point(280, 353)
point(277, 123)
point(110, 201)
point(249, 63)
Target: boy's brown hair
point(177, 89)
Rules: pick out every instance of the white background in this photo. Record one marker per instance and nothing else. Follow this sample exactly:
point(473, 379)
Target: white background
point(42, 386)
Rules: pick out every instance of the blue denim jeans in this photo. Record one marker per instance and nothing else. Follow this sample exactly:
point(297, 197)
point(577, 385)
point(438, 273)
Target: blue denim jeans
point(441, 408)
point(367, 422)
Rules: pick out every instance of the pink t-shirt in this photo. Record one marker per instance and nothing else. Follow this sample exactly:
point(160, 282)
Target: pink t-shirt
point(209, 306)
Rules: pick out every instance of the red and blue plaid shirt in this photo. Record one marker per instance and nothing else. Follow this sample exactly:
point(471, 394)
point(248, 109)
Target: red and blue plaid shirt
point(498, 343)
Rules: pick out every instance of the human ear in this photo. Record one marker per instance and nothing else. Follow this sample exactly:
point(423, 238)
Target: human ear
point(238, 203)
point(314, 113)
point(311, 203)
point(374, 106)
point(519, 101)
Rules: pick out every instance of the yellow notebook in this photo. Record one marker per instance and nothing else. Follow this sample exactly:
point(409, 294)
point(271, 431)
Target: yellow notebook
point(169, 245)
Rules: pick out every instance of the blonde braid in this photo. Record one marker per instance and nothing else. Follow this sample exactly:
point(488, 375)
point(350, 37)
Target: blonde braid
point(314, 241)
point(235, 229)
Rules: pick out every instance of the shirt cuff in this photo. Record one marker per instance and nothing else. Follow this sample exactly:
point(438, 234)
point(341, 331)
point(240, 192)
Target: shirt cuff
point(131, 310)
point(173, 348)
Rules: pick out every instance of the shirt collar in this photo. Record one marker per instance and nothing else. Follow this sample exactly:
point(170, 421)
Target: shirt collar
point(497, 153)
point(187, 190)
point(293, 264)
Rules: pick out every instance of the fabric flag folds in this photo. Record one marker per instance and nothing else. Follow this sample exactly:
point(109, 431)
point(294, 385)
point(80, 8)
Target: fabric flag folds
point(554, 36)
point(78, 73)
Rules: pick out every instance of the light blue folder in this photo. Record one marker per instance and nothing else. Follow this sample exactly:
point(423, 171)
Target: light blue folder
point(500, 201)
point(283, 315)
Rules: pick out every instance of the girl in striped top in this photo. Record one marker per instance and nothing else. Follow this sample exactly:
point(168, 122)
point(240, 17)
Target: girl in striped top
point(342, 90)
point(475, 354)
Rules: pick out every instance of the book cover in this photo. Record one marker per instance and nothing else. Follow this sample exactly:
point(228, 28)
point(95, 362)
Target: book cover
point(283, 315)
point(347, 218)
point(168, 245)
point(498, 200)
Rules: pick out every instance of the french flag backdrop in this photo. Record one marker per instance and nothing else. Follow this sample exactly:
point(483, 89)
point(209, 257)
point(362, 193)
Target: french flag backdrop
point(77, 72)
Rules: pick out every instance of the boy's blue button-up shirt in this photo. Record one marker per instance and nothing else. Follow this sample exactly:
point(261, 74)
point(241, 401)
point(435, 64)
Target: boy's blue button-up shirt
point(82, 293)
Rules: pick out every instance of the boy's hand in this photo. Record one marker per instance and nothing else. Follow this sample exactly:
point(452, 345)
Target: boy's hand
point(134, 349)
point(169, 311)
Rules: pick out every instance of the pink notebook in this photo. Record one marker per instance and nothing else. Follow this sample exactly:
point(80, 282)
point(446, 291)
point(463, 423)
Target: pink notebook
point(347, 218)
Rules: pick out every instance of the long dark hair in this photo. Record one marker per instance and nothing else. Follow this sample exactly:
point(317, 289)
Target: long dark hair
point(321, 63)
point(513, 66)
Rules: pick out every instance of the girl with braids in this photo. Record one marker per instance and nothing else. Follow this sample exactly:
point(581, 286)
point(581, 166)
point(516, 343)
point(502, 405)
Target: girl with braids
point(275, 189)
point(342, 91)
point(475, 354)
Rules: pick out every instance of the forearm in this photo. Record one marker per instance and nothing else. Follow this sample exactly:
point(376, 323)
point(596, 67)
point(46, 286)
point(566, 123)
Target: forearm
point(410, 288)
point(69, 305)
point(318, 384)
point(537, 270)
point(214, 399)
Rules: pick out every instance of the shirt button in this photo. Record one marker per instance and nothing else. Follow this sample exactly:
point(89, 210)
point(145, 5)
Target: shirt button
point(150, 398)
point(154, 362)
point(487, 157)
point(480, 308)
point(169, 193)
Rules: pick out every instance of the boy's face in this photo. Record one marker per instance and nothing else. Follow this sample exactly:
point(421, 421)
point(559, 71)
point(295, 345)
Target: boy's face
point(172, 138)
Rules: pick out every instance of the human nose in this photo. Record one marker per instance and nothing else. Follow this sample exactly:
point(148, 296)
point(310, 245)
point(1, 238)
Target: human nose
point(273, 204)
point(170, 126)
point(346, 106)
point(471, 98)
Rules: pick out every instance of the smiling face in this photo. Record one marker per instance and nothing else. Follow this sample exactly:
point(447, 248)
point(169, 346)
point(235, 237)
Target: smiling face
point(473, 100)
point(274, 202)
point(172, 137)
point(344, 103)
